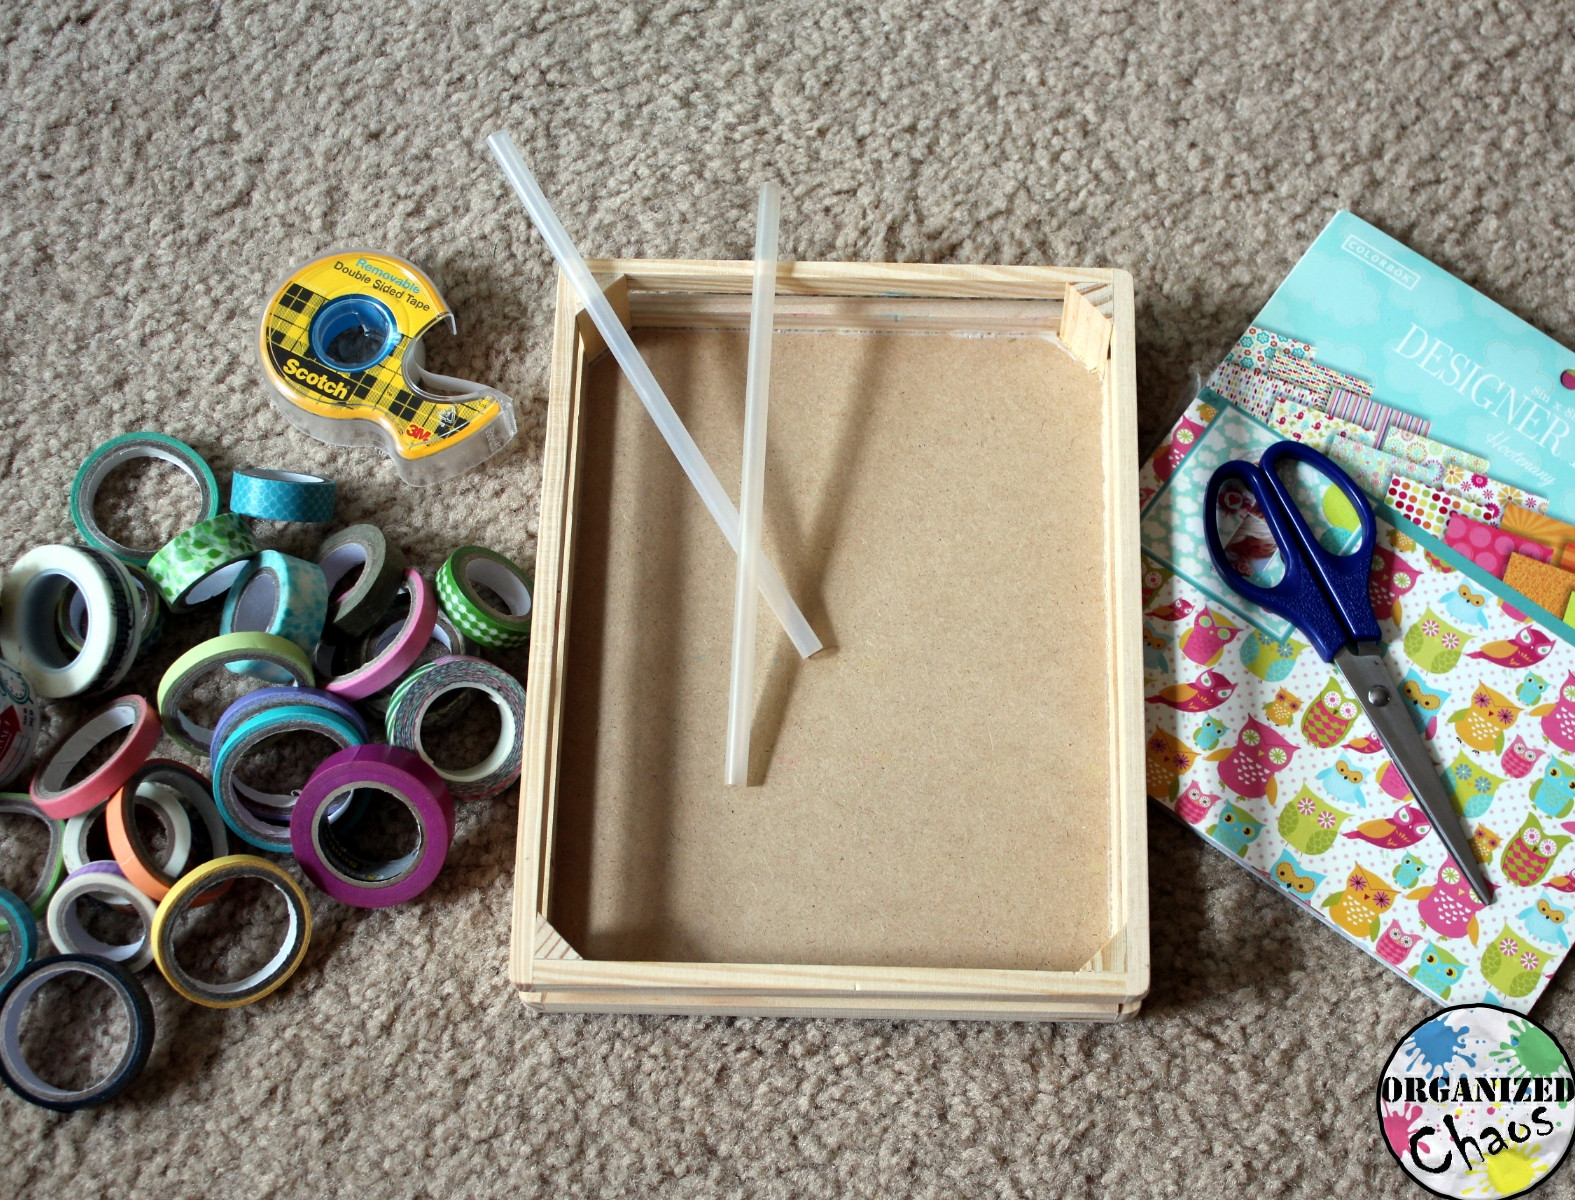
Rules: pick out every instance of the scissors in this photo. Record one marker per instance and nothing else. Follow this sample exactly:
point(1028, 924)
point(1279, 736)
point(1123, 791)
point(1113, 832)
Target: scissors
point(1325, 596)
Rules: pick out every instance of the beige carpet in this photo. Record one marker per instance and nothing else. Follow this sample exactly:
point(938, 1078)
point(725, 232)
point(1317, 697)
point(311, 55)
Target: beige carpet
point(166, 162)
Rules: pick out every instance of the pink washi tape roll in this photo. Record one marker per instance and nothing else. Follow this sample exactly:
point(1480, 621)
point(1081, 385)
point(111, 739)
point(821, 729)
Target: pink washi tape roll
point(322, 848)
point(401, 652)
point(49, 790)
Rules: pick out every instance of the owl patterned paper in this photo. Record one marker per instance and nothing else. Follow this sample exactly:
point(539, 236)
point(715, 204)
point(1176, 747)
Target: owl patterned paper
point(1286, 775)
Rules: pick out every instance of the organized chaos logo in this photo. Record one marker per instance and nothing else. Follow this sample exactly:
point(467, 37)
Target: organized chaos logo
point(1477, 1101)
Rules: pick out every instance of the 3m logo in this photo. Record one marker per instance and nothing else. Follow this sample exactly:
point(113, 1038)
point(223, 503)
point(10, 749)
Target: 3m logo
point(1379, 261)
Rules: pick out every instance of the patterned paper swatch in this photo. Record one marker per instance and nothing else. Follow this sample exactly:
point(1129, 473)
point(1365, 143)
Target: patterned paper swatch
point(1261, 349)
point(1370, 414)
point(1310, 425)
point(1494, 497)
point(1373, 469)
point(1540, 582)
point(1487, 546)
point(1536, 525)
point(1421, 449)
point(1429, 508)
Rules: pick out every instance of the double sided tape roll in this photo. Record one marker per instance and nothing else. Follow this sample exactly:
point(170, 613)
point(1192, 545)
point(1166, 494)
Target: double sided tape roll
point(14, 999)
point(208, 656)
point(54, 869)
point(426, 686)
point(382, 570)
point(156, 780)
point(347, 876)
point(202, 562)
point(29, 619)
point(263, 818)
point(278, 594)
point(114, 453)
point(282, 496)
point(341, 351)
point(61, 801)
point(210, 876)
point(18, 722)
point(21, 930)
point(403, 649)
point(479, 620)
point(105, 881)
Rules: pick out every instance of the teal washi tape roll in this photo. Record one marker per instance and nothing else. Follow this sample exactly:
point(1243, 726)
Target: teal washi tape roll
point(19, 925)
point(479, 620)
point(202, 562)
point(258, 817)
point(422, 687)
point(282, 496)
point(123, 449)
point(278, 594)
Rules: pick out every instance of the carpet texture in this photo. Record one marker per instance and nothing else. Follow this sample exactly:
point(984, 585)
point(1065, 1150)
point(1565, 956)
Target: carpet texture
point(166, 162)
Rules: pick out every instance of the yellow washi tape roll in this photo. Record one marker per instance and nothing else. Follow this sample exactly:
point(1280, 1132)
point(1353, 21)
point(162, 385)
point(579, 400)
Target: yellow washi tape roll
point(342, 353)
point(197, 885)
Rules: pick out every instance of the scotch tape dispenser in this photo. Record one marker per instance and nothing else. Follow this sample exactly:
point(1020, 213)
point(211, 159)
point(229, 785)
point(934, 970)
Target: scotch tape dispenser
point(342, 352)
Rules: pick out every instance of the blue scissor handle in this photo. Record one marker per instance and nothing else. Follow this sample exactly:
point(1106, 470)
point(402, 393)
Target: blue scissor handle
point(1322, 594)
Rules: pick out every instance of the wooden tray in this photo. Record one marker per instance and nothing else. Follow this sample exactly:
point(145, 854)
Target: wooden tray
point(945, 816)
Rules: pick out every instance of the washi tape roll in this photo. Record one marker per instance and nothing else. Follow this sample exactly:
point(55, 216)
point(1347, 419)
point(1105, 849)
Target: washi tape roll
point(267, 698)
point(479, 620)
point(21, 930)
point(278, 594)
point(14, 999)
point(320, 848)
point(282, 496)
point(446, 641)
point(29, 604)
point(381, 567)
point(123, 449)
point(342, 354)
point(50, 791)
point(87, 834)
point(202, 562)
point(262, 818)
point(18, 722)
point(402, 650)
point(130, 847)
point(208, 656)
point(71, 614)
point(222, 872)
point(102, 880)
point(54, 868)
point(425, 686)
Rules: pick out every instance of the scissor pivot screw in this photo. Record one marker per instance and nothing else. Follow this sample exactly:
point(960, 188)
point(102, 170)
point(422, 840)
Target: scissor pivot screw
point(1378, 696)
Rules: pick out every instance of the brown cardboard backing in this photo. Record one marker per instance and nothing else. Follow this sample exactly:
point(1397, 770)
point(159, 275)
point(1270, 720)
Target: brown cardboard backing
point(931, 789)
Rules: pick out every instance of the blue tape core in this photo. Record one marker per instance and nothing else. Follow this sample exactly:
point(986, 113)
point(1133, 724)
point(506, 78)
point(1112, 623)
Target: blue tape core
point(353, 333)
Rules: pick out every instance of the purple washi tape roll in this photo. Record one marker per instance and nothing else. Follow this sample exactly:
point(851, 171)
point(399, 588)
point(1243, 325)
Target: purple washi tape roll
point(351, 877)
point(277, 697)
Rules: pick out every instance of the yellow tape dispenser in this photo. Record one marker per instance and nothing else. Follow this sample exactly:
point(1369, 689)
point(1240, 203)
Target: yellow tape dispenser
point(341, 350)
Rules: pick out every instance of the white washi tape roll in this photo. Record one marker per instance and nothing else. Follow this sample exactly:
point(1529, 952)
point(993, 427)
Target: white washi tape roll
point(105, 881)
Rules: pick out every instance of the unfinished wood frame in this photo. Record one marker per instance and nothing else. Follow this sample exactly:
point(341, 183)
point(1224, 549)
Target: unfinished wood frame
point(1088, 311)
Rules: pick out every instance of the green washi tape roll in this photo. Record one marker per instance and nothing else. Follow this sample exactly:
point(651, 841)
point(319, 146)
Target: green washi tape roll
point(123, 449)
point(202, 562)
point(210, 655)
point(476, 618)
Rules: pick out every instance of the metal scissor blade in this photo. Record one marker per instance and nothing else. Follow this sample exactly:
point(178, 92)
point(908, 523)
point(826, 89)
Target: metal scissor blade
point(1366, 671)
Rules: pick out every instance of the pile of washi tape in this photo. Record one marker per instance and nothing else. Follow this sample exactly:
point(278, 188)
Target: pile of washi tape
point(334, 646)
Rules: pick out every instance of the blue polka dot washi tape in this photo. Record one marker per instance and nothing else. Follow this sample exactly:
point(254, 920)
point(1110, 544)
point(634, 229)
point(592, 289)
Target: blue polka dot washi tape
point(282, 496)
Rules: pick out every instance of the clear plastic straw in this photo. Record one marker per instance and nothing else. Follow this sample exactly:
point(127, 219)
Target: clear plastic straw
point(644, 383)
point(751, 492)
